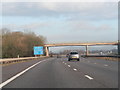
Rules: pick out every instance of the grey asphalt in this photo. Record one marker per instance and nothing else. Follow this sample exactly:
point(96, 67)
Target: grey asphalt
point(56, 73)
point(12, 69)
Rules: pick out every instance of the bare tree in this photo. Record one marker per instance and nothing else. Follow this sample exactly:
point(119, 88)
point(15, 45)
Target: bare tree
point(19, 43)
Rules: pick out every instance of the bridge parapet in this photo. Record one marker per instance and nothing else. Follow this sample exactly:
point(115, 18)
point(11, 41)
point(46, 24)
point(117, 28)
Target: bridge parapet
point(78, 44)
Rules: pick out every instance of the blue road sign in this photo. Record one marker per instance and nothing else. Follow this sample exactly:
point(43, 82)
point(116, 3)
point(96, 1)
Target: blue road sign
point(38, 50)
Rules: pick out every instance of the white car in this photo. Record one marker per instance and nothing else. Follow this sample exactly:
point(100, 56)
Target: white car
point(73, 56)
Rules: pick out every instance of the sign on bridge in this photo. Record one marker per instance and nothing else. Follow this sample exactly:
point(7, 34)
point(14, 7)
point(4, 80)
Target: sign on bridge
point(38, 50)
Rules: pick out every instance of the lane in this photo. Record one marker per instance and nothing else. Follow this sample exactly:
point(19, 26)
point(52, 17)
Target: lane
point(107, 76)
point(12, 69)
point(53, 74)
point(112, 64)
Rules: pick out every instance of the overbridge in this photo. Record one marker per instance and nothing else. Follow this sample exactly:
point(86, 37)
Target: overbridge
point(80, 44)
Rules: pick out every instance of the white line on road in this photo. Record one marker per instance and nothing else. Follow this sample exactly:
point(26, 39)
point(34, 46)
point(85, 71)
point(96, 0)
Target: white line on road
point(68, 65)
point(65, 63)
point(74, 69)
point(105, 65)
point(19, 74)
point(88, 77)
point(95, 63)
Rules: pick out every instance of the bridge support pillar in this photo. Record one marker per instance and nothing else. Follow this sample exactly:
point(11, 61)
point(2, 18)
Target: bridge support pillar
point(118, 47)
point(47, 51)
point(87, 52)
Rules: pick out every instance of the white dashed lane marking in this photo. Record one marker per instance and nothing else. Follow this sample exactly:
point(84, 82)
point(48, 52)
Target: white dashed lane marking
point(105, 65)
point(68, 65)
point(74, 69)
point(88, 77)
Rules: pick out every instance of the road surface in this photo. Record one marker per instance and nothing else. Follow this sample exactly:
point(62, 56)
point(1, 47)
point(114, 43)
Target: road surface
point(60, 73)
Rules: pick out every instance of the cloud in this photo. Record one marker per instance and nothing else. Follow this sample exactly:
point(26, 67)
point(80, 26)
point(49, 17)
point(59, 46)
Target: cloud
point(86, 25)
point(35, 25)
point(85, 10)
point(59, 0)
point(31, 26)
point(63, 26)
point(88, 36)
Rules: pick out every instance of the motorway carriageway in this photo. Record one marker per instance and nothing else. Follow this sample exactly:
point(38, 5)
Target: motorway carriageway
point(59, 73)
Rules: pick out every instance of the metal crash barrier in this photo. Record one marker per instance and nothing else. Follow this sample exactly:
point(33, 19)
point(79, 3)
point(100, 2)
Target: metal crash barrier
point(14, 60)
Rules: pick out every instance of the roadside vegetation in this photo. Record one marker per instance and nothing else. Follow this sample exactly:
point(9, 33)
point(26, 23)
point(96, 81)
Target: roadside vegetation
point(20, 44)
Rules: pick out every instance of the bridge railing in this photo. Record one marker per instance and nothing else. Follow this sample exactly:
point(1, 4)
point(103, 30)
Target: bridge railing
point(114, 56)
point(13, 60)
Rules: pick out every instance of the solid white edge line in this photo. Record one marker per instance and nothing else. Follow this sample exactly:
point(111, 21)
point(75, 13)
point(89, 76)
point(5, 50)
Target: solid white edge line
point(88, 77)
point(74, 69)
point(19, 74)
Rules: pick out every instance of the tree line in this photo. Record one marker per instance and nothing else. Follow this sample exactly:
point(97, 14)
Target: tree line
point(19, 43)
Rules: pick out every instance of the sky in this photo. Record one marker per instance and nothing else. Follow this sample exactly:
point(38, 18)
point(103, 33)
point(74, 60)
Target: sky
point(63, 22)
